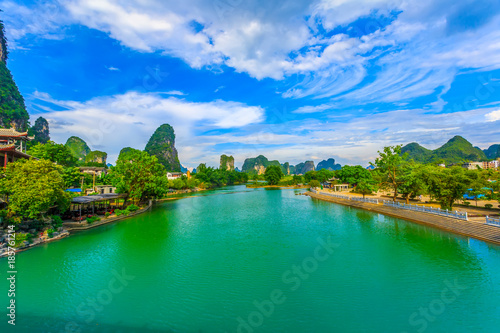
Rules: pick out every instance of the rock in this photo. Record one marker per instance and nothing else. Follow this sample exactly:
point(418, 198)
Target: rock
point(162, 145)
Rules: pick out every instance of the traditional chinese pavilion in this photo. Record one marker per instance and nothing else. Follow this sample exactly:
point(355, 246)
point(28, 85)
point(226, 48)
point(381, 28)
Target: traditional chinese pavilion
point(12, 145)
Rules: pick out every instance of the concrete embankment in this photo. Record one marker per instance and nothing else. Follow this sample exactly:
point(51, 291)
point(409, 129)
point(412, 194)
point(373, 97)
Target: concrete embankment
point(475, 230)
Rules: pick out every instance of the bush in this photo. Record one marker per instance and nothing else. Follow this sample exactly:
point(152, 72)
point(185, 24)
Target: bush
point(132, 208)
point(118, 212)
point(107, 214)
point(92, 219)
point(56, 222)
point(488, 206)
point(50, 232)
point(466, 203)
point(314, 183)
point(20, 238)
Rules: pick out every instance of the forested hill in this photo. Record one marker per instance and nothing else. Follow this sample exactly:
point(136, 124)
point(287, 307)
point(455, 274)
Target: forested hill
point(12, 109)
point(456, 150)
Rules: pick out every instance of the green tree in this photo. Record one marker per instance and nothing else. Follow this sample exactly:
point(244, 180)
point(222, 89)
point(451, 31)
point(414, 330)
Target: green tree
point(72, 177)
point(314, 183)
point(447, 185)
point(297, 179)
point(390, 166)
point(412, 181)
point(365, 187)
point(353, 174)
point(140, 175)
point(33, 187)
point(57, 153)
point(273, 174)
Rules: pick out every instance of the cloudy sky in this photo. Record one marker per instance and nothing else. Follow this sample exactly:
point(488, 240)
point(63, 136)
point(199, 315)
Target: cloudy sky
point(293, 80)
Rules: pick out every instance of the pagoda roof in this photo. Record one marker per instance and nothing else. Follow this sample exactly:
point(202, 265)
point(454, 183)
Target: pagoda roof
point(12, 133)
point(10, 147)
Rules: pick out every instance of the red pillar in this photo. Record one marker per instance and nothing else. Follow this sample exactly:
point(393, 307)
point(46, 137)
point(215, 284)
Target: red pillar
point(5, 160)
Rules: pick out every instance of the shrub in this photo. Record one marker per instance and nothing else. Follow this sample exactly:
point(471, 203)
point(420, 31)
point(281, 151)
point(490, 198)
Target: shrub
point(488, 206)
point(314, 183)
point(20, 238)
point(132, 208)
point(92, 219)
point(107, 214)
point(466, 203)
point(50, 232)
point(118, 212)
point(56, 222)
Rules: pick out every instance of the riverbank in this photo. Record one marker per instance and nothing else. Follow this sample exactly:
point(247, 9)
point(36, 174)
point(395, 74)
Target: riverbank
point(69, 227)
point(471, 229)
point(84, 225)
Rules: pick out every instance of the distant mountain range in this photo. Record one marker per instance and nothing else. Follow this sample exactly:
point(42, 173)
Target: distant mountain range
point(456, 150)
point(258, 165)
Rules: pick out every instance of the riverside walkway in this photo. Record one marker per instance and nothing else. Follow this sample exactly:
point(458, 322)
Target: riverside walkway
point(481, 231)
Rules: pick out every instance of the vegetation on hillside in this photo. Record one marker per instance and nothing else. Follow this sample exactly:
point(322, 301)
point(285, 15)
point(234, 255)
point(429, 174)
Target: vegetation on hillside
point(257, 164)
point(226, 162)
point(12, 109)
point(78, 148)
point(162, 145)
point(456, 150)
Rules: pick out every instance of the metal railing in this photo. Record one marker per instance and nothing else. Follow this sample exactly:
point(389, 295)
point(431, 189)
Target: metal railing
point(428, 209)
point(345, 197)
point(490, 221)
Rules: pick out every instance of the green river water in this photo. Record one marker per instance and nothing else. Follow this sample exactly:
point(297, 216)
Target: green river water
point(257, 260)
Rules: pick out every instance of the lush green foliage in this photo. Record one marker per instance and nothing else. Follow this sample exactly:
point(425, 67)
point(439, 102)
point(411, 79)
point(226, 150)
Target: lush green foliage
point(353, 174)
point(93, 219)
point(21, 237)
point(447, 185)
point(365, 187)
point(12, 108)
point(314, 183)
point(96, 158)
point(390, 166)
point(54, 152)
point(322, 175)
point(456, 150)
point(140, 175)
point(56, 222)
point(40, 131)
point(412, 181)
point(273, 174)
point(78, 148)
point(208, 177)
point(33, 187)
point(226, 162)
point(162, 145)
point(252, 165)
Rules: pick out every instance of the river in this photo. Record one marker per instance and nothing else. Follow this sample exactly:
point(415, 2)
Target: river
point(257, 260)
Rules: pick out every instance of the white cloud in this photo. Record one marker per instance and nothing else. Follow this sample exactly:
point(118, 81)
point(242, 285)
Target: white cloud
point(130, 119)
point(418, 53)
point(493, 116)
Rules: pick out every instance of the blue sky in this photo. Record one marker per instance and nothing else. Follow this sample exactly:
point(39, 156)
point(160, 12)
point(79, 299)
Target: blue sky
point(292, 80)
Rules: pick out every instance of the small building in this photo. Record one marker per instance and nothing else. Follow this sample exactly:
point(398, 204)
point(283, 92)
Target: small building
point(174, 175)
point(473, 165)
point(13, 145)
point(105, 189)
point(340, 187)
point(98, 171)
